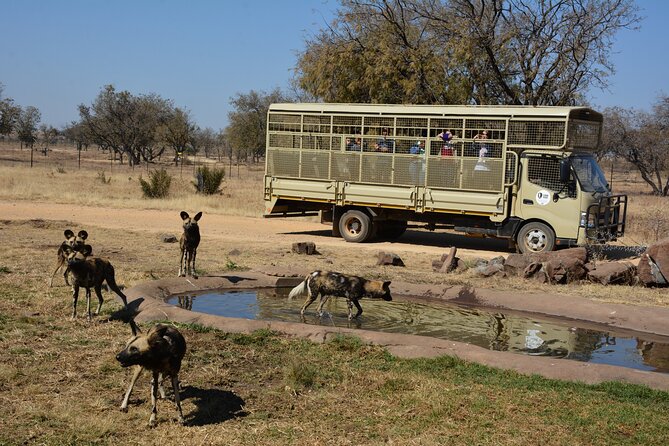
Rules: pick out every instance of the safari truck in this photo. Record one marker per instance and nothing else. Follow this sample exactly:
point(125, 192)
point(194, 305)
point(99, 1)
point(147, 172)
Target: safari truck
point(522, 173)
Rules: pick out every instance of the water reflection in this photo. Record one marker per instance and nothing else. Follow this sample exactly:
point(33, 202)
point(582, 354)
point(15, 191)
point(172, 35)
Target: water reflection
point(488, 329)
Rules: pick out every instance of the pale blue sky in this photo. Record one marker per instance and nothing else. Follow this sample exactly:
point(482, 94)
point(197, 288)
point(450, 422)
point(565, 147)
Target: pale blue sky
point(57, 54)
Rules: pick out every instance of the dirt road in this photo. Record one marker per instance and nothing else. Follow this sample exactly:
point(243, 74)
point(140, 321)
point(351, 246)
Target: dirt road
point(245, 229)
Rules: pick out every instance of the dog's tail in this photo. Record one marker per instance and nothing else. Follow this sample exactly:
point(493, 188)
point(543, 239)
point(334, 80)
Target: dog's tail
point(299, 290)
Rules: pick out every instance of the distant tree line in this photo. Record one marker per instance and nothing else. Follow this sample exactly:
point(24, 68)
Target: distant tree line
point(536, 52)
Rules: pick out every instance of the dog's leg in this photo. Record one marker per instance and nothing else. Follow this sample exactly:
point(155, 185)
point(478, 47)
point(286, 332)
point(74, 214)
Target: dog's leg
point(182, 264)
point(161, 388)
point(88, 303)
point(349, 304)
point(59, 265)
point(324, 298)
point(310, 300)
point(98, 292)
point(154, 399)
point(65, 275)
point(135, 375)
point(177, 398)
point(357, 305)
point(193, 273)
point(75, 297)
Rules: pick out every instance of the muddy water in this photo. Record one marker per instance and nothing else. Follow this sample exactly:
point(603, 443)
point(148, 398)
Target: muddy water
point(488, 329)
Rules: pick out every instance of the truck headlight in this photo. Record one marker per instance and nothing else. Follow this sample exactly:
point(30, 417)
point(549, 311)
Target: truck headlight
point(587, 220)
point(584, 216)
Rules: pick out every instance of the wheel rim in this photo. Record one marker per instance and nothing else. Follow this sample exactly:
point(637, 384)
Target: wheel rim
point(353, 227)
point(536, 240)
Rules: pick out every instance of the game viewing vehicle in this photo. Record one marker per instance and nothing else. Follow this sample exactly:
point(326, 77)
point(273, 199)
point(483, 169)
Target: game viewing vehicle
point(526, 174)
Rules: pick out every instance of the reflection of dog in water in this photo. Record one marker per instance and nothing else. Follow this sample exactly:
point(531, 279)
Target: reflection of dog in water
point(185, 302)
point(352, 288)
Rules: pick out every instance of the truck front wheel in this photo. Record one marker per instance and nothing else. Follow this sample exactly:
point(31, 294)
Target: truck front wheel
point(535, 237)
point(355, 226)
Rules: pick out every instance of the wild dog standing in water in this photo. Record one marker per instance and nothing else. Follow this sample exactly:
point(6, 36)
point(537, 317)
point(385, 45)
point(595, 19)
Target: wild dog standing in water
point(190, 239)
point(90, 272)
point(160, 351)
point(352, 288)
point(75, 242)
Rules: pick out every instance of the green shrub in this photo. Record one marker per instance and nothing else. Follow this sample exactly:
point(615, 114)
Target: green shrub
point(158, 185)
point(208, 180)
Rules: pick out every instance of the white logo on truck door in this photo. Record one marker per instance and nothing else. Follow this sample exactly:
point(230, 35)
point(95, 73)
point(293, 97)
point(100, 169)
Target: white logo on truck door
point(543, 197)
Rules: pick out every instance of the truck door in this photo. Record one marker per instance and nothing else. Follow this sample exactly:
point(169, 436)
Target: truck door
point(542, 196)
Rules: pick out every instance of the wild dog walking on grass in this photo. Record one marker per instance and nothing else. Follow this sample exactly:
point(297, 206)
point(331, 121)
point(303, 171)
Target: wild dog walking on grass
point(353, 288)
point(90, 272)
point(161, 351)
point(190, 239)
point(75, 242)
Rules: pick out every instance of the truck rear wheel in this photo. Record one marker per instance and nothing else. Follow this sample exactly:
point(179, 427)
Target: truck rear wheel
point(535, 237)
point(355, 226)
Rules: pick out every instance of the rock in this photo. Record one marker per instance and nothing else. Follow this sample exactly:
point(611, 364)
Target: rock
point(388, 258)
point(610, 273)
point(450, 261)
point(168, 238)
point(649, 272)
point(556, 270)
point(515, 264)
point(492, 269)
point(654, 264)
point(234, 252)
point(308, 248)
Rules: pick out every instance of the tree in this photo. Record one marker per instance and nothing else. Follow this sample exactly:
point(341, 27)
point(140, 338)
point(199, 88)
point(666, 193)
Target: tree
point(9, 113)
point(533, 52)
point(248, 122)
point(126, 124)
point(177, 132)
point(642, 139)
point(205, 140)
point(77, 133)
point(26, 125)
point(48, 134)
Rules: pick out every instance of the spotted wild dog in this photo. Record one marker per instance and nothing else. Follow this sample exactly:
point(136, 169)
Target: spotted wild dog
point(75, 242)
point(353, 288)
point(161, 351)
point(90, 272)
point(190, 239)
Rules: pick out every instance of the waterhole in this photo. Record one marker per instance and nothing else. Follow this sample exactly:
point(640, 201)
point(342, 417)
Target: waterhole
point(517, 333)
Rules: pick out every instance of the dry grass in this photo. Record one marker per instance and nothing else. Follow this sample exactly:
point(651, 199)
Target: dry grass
point(60, 383)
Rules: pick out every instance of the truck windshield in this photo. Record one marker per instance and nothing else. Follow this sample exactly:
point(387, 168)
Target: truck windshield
point(590, 175)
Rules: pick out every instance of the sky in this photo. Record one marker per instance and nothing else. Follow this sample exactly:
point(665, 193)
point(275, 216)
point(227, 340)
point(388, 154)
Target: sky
point(57, 54)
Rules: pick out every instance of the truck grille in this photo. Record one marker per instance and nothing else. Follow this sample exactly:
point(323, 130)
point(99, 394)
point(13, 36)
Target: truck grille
point(606, 219)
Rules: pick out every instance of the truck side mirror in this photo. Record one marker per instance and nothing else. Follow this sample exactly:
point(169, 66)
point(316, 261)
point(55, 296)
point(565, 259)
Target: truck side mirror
point(565, 170)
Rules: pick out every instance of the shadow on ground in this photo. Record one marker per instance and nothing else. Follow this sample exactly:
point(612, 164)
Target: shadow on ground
point(213, 406)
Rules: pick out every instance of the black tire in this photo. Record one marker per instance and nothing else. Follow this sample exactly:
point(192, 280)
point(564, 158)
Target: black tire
point(535, 237)
point(391, 230)
point(355, 226)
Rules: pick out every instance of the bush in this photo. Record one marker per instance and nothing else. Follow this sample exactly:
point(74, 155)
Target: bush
point(158, 185)
point(208, 180)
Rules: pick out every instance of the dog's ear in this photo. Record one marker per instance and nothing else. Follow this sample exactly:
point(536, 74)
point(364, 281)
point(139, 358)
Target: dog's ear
point(68, 234)
point(386, 285)
point(156, 333)
point(87, 250)
point(82, 235)
point(134, 327)
point(184, 215)
point(197, 216)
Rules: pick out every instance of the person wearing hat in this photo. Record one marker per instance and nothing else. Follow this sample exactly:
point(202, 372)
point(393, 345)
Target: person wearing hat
point(417, 166)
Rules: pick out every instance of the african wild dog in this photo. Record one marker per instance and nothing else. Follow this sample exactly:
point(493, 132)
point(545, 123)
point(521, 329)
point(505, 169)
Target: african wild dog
point(90, 272)
point(75, 242)
point(352, 288)
point(160, 351)
point(190, 239)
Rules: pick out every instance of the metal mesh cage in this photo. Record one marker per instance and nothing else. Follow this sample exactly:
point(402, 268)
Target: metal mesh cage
point(444, 172)
point(281, 122)
point(537, 133)
point(317, 124)
point(345, 166)
point(283, 163)
point(315, 164)
point(584, 134)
